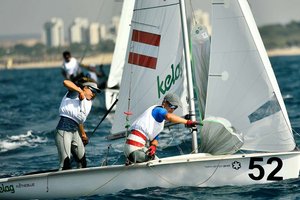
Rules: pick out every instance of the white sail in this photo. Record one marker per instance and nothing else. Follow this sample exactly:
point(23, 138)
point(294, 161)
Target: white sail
point(200, 52)
point(219, 137)
point(154, 61)
point(242, 87)
point(118, 60)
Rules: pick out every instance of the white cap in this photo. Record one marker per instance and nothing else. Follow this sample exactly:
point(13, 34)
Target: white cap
point(92, 85)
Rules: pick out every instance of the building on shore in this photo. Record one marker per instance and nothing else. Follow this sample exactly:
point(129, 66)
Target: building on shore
point(54, 33)
point(78, 31)
point(94, 33)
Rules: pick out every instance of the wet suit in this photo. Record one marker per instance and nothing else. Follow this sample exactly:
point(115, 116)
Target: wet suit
point(67, 138)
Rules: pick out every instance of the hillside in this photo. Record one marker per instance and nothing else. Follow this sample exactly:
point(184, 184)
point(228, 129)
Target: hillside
point(280, 36)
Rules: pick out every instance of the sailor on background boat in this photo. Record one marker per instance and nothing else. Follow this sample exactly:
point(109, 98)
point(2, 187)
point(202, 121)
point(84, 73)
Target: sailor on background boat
point(146, 128)
point(71, 67)
point(74, 109)
point(96, 73)
point(74, 71)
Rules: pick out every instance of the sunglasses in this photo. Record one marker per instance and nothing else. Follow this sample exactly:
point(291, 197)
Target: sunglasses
point(172, 106)
point(93, 90)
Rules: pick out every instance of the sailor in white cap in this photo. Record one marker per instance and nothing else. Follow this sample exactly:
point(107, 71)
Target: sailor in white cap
point(74, 109)
point(146, 128)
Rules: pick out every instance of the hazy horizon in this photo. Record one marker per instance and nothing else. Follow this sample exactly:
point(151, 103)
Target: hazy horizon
point(30, 15)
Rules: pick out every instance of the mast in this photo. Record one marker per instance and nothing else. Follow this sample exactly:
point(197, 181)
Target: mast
point(191, 98)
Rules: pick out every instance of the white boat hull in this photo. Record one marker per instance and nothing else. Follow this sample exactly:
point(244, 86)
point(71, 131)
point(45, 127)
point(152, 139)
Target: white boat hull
point(196, 170)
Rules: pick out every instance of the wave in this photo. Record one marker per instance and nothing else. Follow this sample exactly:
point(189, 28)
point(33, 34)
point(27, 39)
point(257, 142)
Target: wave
point(18, 141)
point(287, 96)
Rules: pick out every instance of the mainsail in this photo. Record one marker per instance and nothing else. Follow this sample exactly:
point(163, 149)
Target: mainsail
point(242, 87)
point(154, 61)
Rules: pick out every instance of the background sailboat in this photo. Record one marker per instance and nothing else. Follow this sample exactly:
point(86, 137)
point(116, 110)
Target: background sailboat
point(118, 60)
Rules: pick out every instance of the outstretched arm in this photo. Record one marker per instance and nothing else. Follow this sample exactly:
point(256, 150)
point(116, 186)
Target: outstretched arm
point(176, 119)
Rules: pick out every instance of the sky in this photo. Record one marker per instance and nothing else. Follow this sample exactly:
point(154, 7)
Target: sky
point(28, 16)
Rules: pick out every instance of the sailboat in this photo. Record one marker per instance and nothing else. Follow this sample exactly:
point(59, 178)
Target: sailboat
point(242, 100)
point(119, 55)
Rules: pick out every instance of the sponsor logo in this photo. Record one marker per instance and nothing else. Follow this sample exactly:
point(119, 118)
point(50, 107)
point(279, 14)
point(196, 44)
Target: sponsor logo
point(7, 188)
point(165, 85)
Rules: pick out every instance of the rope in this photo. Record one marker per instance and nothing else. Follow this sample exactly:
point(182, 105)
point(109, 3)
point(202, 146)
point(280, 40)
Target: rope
point(174, 184)
point(295, 132)
point(106, 159)
point(104, 162)
point(168, 181)
point(117, 159)
point(179, 149)
point(104, 184)
point(169, 143)
point(199, 184)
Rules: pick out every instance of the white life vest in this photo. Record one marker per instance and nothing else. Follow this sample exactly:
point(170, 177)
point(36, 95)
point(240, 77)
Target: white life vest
point(144, 128)
point(75, 109)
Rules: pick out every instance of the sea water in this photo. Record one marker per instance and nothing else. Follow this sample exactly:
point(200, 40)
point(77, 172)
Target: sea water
point(29, 102)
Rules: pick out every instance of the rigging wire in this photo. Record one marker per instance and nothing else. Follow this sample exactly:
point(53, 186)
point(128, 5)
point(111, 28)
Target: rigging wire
point(295, 132)
point(100, 10)
point(174, 132)
point(174, 184)
point(155, 173)
point(105, 162)
point(97, 17)
point(107, 182)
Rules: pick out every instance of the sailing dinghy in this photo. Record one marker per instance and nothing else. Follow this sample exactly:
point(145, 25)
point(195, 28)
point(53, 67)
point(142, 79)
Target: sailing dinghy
point(119, 56)
point(243, 105)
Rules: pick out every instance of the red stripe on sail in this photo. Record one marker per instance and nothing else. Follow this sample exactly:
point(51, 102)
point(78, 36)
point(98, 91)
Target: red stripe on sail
point(142, 60)
point(145, 37)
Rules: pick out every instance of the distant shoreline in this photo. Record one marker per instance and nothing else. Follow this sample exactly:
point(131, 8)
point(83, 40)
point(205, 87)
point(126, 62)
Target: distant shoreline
point(284, 52)
point(107, 58)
